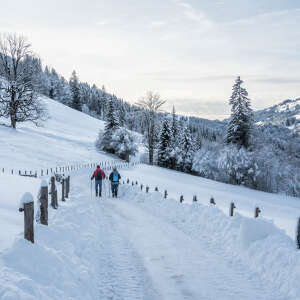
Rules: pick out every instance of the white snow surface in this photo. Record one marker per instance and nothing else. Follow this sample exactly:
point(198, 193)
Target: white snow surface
point(141, 246)
point(281, 209)
point(26, 198)
point(67, 137)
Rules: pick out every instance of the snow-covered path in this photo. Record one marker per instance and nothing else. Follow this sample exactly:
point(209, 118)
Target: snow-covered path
point(143, 256)
point(151, 259)
point(143, 247)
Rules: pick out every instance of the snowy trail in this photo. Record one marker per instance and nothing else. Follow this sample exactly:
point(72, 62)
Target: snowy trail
point(139, 247)
point(177, 266)
point(143, 256)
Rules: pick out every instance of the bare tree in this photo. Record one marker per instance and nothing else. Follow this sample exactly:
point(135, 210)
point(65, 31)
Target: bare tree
point(18, 97)
point(151, 104)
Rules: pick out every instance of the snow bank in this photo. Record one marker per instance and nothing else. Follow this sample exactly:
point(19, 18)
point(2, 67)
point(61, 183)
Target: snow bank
point(63, 263)
point(256, 243)
point(12, 190)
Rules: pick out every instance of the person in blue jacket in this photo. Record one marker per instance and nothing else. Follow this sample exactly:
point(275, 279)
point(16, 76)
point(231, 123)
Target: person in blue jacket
point(114, 178)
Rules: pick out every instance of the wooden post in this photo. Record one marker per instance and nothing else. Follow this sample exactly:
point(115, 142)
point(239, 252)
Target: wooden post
point(166, 194)
point(28, 221)
point(181, 199)
point(27, 205)
point(212, 200)
point(44, 203)
point(257, 212)
point(142, 187)
point(42, 173)
point(298, 234)
point(232, 207)
point(136, 183)
point(195, 198)
point(63, 189)
point(132, 183)
point(67, 186)
point(128, 181)
point(156, 189)
point(52, 190)
point(147, 189)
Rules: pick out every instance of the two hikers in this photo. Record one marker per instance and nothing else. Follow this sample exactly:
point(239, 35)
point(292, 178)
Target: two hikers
point(98, 175)
point(114, 178)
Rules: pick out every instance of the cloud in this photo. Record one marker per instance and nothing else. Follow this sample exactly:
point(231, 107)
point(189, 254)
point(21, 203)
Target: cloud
point(191, 14)
point(202, 108)
point(157, 24)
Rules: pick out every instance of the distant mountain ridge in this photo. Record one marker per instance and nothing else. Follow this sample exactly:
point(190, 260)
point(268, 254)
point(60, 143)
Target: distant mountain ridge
point(286, 114)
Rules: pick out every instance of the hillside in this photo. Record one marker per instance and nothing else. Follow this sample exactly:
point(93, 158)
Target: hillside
point(286, 114)
point(68, 136)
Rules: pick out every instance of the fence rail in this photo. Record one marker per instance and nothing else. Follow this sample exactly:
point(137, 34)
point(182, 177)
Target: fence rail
point(106, 165)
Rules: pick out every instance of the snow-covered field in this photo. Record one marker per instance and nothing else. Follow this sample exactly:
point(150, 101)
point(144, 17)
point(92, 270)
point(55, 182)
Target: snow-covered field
point(68, 136)
point(142, 246)
point(138, 246)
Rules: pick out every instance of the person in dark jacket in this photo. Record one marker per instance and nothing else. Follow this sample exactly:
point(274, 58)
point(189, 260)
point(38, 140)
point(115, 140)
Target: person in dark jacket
point(98, 175)
point(114, 178)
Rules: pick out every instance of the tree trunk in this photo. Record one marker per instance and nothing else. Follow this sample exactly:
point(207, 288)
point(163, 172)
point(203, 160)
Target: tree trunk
point(13, 121)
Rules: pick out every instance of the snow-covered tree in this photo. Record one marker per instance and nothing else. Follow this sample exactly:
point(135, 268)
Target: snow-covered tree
point(112, 124)
point(151, 106)
point(124, 143)
point(74, 85)
point(19, 72)
point(165, 142)
point(186, 150)
point(238, 131)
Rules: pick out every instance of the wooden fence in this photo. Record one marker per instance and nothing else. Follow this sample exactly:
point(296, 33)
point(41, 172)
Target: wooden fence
point(106, 165)
point(56, 178)
point(232, 206)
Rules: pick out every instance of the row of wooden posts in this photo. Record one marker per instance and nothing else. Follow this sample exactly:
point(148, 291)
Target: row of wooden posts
point(28, 208)
point(63, 169)
point(232, 206)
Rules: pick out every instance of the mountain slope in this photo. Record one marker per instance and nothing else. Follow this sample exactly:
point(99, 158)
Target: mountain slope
point(286, 113)
point(68, 136)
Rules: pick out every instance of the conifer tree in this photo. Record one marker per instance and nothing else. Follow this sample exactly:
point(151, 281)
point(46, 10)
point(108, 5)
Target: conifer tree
point(238, 131)
point(174, 123)
point(165, 145)
point(74, 85)
point(187, 149)
point(112, 124)
point(174, 140)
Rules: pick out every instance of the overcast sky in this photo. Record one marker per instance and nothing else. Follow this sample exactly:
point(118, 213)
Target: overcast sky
point(190, 51)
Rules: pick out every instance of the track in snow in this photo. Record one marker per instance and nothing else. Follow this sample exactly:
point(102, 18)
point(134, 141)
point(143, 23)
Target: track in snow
point(143, 256)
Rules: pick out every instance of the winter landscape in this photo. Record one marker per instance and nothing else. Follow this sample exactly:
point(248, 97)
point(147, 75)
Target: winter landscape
point(150, 150)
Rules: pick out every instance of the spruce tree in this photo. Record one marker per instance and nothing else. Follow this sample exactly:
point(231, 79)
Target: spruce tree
point(165, 145)
point(174, 123)
point(187, 149)
point(112, 124)
point(240, 123)
point(74, 85)
point(174, 140)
